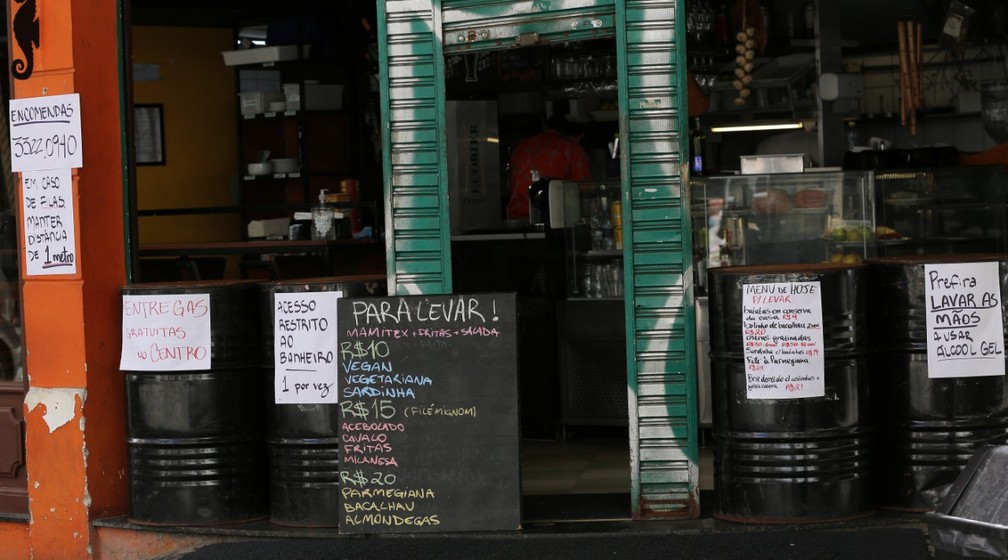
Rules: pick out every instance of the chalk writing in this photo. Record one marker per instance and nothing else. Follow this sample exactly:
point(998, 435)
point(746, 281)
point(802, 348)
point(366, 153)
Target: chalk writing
point(428, 390)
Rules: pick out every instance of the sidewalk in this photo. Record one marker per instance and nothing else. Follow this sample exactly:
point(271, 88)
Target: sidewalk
point(883, 535)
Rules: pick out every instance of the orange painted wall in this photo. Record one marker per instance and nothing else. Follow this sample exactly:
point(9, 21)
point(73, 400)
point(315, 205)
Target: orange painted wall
point(199, 97)
point(14, 540)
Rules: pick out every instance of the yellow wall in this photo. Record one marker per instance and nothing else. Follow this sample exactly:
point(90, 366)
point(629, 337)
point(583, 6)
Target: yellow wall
point(199, 96)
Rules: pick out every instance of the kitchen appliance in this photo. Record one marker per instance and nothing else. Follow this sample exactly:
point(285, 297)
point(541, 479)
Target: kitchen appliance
point(473, 166)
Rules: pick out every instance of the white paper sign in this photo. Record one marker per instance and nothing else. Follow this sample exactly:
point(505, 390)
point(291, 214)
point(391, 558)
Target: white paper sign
point(166, 332)
point(48, 211)
point(45, 133)
point(964, 322)
point(305, 348)
point(782, 333)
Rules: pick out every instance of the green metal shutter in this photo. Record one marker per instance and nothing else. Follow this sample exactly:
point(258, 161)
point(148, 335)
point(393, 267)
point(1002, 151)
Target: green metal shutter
point(661, 351)
point(661, 345)
point(418, 254)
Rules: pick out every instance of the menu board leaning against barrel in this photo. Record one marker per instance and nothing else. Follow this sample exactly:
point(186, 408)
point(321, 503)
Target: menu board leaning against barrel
point(783, 336)
point(428, 398)
point(965, 327)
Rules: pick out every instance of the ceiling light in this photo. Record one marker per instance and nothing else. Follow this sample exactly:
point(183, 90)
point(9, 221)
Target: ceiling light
point(752, 127)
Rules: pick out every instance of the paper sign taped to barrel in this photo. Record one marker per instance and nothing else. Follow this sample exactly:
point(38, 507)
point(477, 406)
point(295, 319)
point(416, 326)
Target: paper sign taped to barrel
point(782, 335)
point(965, 336)
point(166, 332)
point(305, 348)
point(45, 133)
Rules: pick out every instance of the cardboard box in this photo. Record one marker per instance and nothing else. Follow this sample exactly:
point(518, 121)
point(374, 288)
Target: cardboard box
point(258, 101)
point(292, 94)
point(783, 163)
point(274, 227)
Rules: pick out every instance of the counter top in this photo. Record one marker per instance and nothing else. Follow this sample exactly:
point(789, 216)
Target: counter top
point(259, 246)
point(500, 235)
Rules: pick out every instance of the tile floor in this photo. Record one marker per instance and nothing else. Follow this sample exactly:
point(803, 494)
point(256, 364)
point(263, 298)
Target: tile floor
point(590, 464)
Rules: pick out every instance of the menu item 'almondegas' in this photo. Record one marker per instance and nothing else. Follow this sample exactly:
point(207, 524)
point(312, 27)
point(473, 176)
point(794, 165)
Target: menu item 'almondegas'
point(964, 320)
point(783, 337)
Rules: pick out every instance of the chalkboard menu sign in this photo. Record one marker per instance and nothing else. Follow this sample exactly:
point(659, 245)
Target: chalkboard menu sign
point(429, 414)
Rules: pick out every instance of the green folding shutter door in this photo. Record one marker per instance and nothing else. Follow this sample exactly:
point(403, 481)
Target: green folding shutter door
point(661, 350)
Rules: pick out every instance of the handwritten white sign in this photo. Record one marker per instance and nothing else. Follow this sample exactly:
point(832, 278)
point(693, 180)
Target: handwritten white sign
point(965, 336)
point(305, 348)
point(166, 332)
point(48, 213)
point(783, 337)
point(45, 133)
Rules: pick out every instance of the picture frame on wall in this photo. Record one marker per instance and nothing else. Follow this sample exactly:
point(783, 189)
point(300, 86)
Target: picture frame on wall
point(148, 122)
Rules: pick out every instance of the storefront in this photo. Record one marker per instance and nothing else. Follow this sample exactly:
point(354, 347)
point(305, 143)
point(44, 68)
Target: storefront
point(632, 54)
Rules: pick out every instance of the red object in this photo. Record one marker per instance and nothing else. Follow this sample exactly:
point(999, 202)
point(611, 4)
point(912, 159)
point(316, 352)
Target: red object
point(554, 156)
point(350, 188)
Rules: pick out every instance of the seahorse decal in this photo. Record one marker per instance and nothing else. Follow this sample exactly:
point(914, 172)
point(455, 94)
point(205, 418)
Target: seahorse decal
point(26, 34)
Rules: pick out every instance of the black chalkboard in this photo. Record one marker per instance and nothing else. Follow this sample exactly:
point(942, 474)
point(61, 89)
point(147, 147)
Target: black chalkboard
point(429, 414)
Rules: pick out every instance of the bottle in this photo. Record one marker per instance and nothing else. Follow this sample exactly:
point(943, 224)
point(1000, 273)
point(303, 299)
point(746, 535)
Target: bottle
point(697, 145)
point(853, 137)
point(538, 204)
point(322, 219)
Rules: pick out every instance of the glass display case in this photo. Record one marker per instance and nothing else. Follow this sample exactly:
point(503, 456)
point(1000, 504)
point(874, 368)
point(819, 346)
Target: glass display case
point(782, 218)
point(941, 210)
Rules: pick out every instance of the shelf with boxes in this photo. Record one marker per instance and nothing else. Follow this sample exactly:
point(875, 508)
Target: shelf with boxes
point(296, 137)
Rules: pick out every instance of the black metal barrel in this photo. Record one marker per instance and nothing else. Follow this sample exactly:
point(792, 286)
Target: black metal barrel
point(927, 427)
point(793, 460)
point(304, 439)
point(197, 452)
